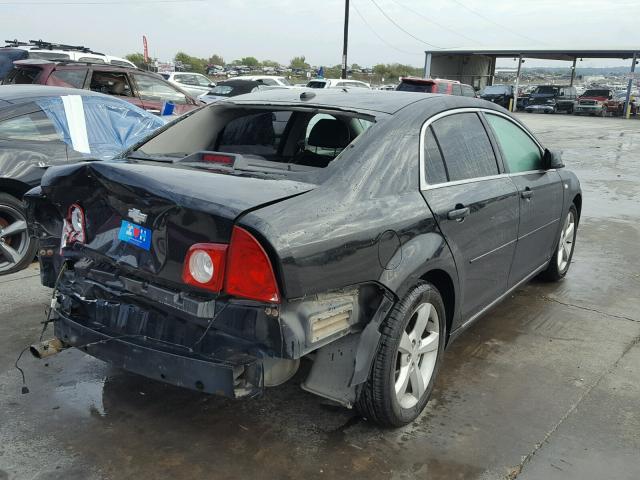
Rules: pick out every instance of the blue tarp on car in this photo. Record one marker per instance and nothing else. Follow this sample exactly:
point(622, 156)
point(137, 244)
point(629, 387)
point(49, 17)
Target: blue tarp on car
point(97, 126)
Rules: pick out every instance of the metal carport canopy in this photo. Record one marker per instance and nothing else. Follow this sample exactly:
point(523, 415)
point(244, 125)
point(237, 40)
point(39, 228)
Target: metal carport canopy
point(544, 54)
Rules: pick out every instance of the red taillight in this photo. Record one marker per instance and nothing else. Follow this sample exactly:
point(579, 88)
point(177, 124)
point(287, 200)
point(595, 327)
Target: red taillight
point(74, 226)
point(204, 266)
point(249, 271)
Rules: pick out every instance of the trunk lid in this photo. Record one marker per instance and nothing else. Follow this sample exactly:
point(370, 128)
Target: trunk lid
point(176, 207)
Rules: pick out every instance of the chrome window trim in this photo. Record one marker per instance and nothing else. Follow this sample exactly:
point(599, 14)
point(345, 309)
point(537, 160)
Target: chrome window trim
point(423, 177)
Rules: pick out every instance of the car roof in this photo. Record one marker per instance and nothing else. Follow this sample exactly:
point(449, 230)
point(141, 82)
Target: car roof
point(353, 99)
point(21, 93)
point(71, 63)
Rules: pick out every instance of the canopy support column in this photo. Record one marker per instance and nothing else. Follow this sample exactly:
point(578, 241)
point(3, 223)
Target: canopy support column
point(573, 71)
point(627, 102)
point(517, 86)
point(427, 64)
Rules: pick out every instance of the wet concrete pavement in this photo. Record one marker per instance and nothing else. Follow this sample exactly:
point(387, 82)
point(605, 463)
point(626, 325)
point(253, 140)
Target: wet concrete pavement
point(546, 386)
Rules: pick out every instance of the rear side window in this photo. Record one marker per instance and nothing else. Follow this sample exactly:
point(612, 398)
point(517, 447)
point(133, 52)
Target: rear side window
point(67, 78)
point(465, 146)
point(520, 152)
point(434, 164)
point(456, 89)
point(22, 75)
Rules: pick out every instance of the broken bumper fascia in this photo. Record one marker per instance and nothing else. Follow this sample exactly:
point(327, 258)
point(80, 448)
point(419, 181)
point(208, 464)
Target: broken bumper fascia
point(233, 377)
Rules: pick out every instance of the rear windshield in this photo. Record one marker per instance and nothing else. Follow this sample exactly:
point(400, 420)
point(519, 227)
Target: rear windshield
point(316, 84)
point(7, 57)
point(22, 75)
point(496, 90)
point(420, 87)
point(546, 90)
point(289, 140)
point(596, 93)
point(49, 55)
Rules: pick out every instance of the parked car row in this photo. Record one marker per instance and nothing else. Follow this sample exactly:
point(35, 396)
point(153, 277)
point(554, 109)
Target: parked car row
point(563, 98)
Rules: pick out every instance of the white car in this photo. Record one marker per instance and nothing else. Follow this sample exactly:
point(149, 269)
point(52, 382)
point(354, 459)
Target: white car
point(193, 83)
point(337, 83)
point(268, 80)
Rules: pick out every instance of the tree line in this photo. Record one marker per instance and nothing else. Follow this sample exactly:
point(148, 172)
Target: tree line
point(390, 72)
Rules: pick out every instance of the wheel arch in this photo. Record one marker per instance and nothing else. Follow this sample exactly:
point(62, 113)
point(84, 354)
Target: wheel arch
point(15, 188)
point(444, 284)
point(577, 201)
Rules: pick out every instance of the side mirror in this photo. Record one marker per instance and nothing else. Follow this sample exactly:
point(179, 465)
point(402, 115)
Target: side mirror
point(552, 159)
point(212, 84)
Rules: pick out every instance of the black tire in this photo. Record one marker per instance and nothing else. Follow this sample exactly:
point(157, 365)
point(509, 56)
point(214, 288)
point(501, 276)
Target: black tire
point(17, 251)
point(378, 401)
point(556, 270)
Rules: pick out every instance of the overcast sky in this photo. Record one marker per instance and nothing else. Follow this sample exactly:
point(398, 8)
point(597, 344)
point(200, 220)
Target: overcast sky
point(280, 29)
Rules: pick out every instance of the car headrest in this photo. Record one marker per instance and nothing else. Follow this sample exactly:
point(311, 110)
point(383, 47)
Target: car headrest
point(118, 88)
point(328, 133)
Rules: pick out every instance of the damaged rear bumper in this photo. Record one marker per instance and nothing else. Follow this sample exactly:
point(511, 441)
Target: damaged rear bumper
point(236, 375)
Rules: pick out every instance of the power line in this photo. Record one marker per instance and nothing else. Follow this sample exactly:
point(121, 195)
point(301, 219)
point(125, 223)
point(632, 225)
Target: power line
point(487, 19)
point(400, 27)
point(444, 27)
point(103, 2)
point(373, 30)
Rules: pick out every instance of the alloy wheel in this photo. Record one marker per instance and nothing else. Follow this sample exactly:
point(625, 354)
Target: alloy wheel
point(565, 246)
point(14, 238)
point(417, 355)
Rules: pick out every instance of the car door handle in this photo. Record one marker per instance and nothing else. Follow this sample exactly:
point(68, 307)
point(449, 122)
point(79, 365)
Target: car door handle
point(527, 193)
point(459, 213)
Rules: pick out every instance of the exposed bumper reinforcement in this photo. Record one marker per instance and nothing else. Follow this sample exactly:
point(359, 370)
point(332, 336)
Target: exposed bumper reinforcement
point(236, 376)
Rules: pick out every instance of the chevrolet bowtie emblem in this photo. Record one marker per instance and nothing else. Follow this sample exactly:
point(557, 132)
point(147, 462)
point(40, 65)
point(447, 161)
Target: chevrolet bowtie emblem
point(136, 215)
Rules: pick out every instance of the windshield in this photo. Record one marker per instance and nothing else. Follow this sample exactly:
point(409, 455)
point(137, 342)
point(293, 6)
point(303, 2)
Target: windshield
point(267, 138)
point(223, 90)
point(546, 90)
point(496, 90)
point(284, 81)
point(596, 93)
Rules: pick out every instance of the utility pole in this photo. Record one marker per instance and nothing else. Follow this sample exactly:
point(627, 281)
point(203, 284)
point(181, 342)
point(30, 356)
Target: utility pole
point(346, 38)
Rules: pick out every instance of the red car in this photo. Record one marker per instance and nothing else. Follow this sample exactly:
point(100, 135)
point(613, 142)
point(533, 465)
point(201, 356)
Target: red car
point(435, 85)
point(593, 101)
point(144, 89)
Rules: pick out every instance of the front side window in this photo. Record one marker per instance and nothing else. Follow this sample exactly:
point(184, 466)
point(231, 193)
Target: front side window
point(155, 89)
point(111, 83)
point(202, 80)
point(468, 91)
point(456, 89)
point(465, 147)
point(33, 127)
point(520, 152)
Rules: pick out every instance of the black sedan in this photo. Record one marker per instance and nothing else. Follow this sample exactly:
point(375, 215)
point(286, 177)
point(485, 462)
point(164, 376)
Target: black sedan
point(46, 126)
point(363, 236)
